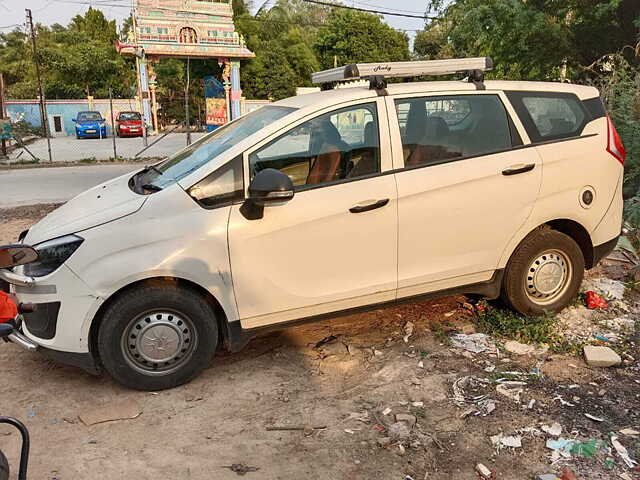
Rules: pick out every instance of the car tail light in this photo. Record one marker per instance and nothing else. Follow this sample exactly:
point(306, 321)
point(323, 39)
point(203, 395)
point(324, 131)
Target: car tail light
point(614, 143)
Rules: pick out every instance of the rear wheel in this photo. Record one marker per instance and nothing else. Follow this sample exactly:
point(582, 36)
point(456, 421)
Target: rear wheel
point(544, 273)
point(157, 336)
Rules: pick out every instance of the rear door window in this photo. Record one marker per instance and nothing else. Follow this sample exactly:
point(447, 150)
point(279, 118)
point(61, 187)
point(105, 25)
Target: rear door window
point(445, 128)
point(549, 115)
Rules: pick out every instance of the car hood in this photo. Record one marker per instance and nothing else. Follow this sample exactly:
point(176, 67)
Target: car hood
point(104, 203)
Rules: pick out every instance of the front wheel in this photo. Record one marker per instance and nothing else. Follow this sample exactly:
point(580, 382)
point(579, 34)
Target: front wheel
point(544, 273)
point(156, 337)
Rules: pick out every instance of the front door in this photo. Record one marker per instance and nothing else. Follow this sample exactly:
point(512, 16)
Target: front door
point(466, 187)
point(334, 245)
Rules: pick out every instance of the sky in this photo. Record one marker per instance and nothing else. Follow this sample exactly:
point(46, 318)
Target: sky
point(48, 12)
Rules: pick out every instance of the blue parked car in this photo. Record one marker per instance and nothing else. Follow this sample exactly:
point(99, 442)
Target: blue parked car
point(90, 125)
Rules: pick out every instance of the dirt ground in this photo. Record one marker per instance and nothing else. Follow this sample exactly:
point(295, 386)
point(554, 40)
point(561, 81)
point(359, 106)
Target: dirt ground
point(349, 376)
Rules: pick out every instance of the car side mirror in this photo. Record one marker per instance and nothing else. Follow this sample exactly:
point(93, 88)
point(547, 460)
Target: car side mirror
point(14, 255)
point(269, 187)
point(74, 120)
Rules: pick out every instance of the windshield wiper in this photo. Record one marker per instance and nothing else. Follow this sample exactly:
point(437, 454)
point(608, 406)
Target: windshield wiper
point(150, 187)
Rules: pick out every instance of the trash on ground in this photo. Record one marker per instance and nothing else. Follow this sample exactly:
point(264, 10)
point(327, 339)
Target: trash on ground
point(386, 411)
point(408, 331)
point(512, 441)
point(286, 428)
point(599, 356)
point(622, 451)
point(240, 468)
point(399, 431)
point(483, 404)
point(474, 343)
point(594, 418)
point(595, 301)
point(566, 447)
point(483, 471)
point(612, 289)
point(555, 430)
point(512, 393)
point(518, 348)
point(125, 410)
point(629, 432)
point(547, 476)
point(409, 419)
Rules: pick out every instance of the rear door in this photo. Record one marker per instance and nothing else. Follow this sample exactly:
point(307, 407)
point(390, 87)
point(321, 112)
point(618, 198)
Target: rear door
point(465, 187)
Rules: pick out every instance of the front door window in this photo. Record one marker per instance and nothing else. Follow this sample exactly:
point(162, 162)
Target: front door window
point(335, 146)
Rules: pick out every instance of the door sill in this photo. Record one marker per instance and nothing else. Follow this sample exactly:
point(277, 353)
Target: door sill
point(237, 337)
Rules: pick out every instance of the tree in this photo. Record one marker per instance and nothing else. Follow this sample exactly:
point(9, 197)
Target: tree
point(349, 36)
point(533, 39)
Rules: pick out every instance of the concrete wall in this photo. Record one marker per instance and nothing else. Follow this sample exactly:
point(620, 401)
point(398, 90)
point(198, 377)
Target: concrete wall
point(67, 110)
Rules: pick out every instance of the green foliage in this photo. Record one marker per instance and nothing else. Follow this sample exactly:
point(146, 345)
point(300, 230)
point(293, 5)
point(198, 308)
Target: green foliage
point(511, 325)
point(531, 40)
point(76, 61)
point(349, 37)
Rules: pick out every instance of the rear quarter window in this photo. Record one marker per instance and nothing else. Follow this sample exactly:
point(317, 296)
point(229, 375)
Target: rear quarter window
point(550, 116)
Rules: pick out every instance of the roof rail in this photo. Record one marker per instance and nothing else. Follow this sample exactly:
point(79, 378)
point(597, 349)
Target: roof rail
point(377, 72)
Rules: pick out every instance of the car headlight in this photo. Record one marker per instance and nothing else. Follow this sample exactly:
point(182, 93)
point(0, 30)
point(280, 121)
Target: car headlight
point(52, 254)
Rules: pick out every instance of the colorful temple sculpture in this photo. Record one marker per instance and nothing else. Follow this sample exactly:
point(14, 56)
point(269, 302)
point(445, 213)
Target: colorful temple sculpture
point(196, 29)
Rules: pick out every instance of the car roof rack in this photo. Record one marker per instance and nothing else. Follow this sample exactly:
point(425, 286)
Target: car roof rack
point(377, 73)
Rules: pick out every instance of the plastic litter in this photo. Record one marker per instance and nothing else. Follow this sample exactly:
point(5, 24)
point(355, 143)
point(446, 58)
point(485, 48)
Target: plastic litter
point(612, 289)
point(408, 331)
point(511, 441)
point(622, 451)
point(629, 431)
point(554, 430)
point(483, 471)
point(595, 301)
point(474, 343)
point(567, 448)
point(512, 393)
point(595, 419)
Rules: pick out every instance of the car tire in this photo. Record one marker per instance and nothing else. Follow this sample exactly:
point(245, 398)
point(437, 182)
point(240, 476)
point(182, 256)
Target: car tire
point(544, 273)
point(156, 337)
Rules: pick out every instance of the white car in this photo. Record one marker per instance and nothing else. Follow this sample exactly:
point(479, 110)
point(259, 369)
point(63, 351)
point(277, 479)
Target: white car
point(326, 203)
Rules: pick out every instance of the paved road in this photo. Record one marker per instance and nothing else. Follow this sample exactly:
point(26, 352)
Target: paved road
point(28, 186)
point(70, 149)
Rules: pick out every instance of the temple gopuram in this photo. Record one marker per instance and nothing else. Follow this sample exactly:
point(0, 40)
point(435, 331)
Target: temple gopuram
point(198, 29)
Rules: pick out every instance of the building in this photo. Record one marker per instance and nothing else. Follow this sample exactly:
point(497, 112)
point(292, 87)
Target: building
point(195, 29)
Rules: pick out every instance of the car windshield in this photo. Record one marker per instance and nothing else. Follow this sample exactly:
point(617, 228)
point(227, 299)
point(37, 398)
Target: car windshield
point(206, 149)
point(129, 116)
point(89, 117)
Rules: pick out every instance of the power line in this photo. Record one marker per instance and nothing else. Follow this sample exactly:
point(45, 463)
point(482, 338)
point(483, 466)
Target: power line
point(380, 12)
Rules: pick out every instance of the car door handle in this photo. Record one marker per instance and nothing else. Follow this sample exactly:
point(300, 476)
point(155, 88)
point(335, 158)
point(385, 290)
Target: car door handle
point(520, 168)
point(369, 205)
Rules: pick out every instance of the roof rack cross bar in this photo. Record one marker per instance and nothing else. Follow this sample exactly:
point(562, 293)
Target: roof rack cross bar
point(358, 71)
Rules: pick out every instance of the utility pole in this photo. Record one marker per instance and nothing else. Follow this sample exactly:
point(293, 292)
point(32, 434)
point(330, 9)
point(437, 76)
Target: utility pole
point(113, 126)
point(43, 106)
point(186, 106)
point(3, 143)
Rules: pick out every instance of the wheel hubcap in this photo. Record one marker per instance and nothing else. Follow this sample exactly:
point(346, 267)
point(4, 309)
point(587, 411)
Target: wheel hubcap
point(547, 277)
point(158, 342)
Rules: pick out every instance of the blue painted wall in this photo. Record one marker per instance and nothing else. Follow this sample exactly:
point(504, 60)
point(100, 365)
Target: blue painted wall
point(29, 111)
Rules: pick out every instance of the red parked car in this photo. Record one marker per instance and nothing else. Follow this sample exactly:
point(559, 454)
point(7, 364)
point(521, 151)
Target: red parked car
point(129, 124)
